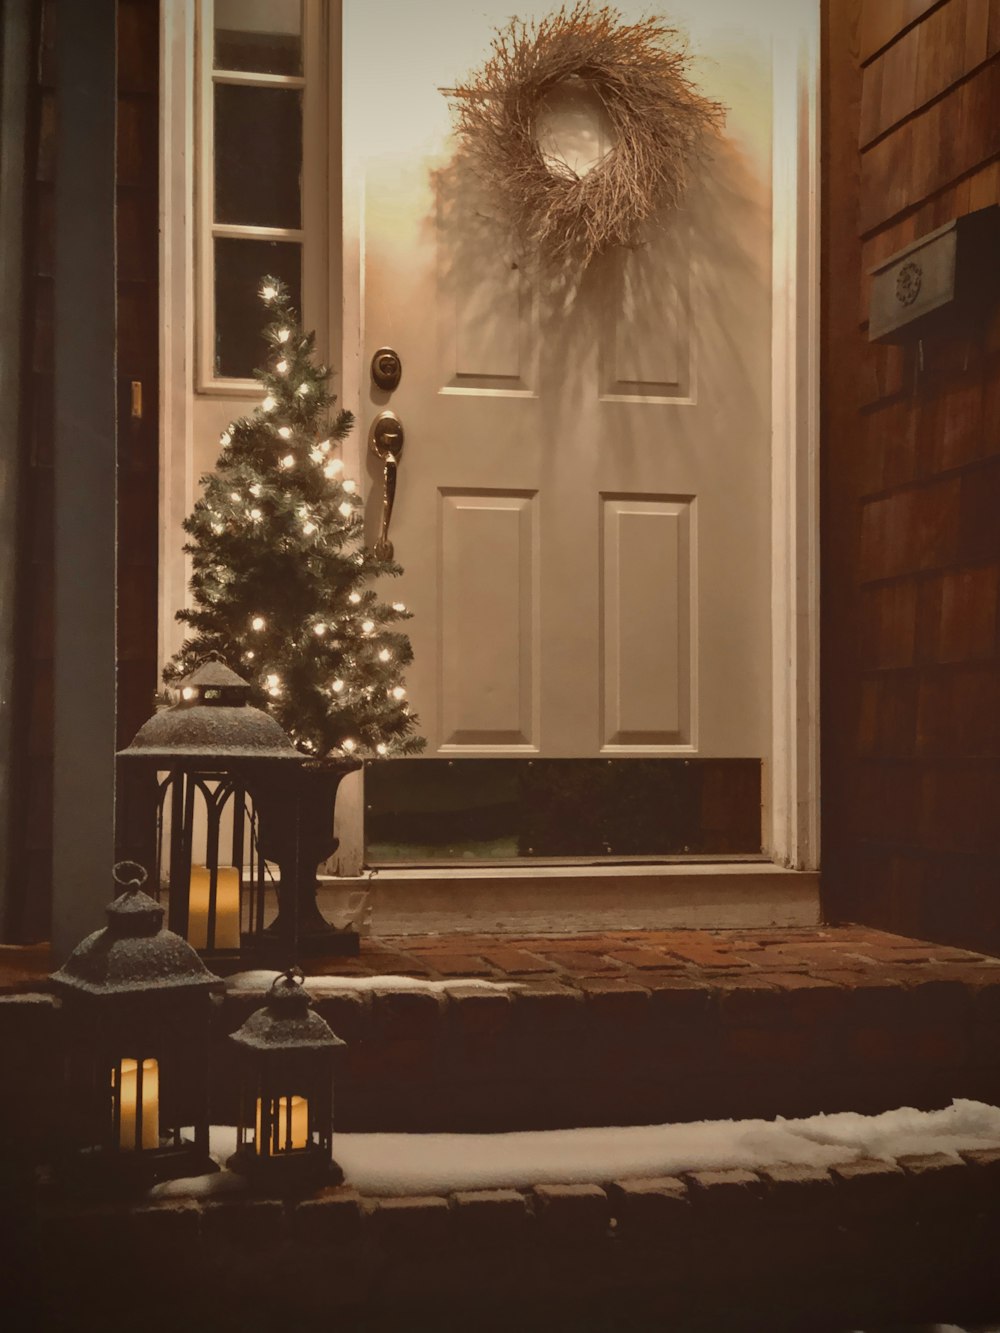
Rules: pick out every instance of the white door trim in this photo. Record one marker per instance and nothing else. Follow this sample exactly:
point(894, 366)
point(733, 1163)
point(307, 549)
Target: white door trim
point(791, 823)
point(791, 786)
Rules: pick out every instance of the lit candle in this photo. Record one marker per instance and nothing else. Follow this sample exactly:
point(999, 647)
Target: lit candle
point(227, 908)
point(278, 1141)
point(129, 1138)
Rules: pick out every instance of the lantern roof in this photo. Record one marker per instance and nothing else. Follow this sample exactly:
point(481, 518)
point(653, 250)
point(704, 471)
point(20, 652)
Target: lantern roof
point(212, 721)
point(133, 954)
point(286, 1023)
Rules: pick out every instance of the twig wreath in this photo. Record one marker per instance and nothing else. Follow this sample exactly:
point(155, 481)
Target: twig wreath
point(639, 71)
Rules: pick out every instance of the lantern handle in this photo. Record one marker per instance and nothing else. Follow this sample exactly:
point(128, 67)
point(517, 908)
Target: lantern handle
point(129, 874)
point(292, 976)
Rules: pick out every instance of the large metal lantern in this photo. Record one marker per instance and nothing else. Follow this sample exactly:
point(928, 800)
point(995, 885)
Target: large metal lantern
point(209, 764)
point(137, 1005)
point(286, 1057)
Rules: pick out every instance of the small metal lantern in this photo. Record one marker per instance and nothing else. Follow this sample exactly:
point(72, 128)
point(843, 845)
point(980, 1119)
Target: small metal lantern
point(209, 758)
point(286, 1056)
point(137, 1002)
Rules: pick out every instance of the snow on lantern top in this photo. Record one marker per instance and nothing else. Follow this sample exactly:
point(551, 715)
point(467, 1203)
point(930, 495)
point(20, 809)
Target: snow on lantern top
point(133, 953)
point(213, 719)
point(286, 1023)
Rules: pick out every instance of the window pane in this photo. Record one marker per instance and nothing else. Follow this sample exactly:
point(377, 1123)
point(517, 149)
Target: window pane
point(258, 156)
point(239, 315)
point(264, 36)
point(517, 809)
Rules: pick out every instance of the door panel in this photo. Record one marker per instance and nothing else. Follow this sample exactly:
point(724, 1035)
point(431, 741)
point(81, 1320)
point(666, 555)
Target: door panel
point(582, 510)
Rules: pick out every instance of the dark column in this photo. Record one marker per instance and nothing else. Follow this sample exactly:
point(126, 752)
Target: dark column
point(15, 85)
point(85, 468)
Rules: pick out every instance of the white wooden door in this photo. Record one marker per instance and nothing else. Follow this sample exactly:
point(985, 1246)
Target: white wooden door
point(583, 504)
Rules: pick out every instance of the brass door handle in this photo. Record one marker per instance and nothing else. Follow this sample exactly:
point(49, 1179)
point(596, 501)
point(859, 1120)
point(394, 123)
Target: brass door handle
point(386, 440)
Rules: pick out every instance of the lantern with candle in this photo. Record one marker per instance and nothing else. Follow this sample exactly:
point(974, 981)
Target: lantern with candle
point(286, 1053)
point(206, 767)
point(137, 1001)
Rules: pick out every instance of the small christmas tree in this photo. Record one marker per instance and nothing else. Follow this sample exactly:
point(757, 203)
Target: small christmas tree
point(281, 577)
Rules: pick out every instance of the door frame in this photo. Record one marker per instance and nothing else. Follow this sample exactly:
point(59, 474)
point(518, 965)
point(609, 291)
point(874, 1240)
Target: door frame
point(791, 779)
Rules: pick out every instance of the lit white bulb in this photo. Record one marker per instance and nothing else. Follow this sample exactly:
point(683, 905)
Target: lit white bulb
point(384, 655)
point(319, 629)
point(285, 432)
point(225, 438)
point(331, 470)
point(350, 487)
point(235, 495)
point(218, 529)
point(324, 448)
point(288, 461)
point(337, 687)
point(349, 745)
point(382, 748)
point(249, 654)
point(188, 692)
point(302, 390)
point(309, 528)
point(255, 489)
point(315, 456)
point(398, 692)
point(258, 623)
point(354, 598)
point(269, 403)
point(268, 292)
point(399, 606)
point(256, 515)
point(282, 367)
point(284, 335)
point(346, 509)
point(368, 626)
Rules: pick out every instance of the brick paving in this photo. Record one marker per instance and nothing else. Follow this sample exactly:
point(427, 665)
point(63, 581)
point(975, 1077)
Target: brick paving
point(837, 956)
point(641, 1027)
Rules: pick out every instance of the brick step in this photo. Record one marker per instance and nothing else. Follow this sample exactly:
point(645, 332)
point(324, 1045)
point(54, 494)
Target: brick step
point(631, 1028)
point(495, 1033)
point(781, 1248)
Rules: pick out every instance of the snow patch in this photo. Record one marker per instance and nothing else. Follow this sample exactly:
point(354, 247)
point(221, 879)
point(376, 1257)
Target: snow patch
point(261, 981)
point(389, 1164)
point(399, 1164)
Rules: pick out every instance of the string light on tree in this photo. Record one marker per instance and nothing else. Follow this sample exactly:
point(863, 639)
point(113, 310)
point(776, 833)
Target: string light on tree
point(270, 582)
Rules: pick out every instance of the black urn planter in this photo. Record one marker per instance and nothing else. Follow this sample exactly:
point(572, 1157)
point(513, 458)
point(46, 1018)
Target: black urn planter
point(296, 833)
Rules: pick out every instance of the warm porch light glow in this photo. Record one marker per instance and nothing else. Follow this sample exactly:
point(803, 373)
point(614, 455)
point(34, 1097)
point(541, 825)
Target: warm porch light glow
point(281, 1131)
point(132, 1137)
point(227, 908)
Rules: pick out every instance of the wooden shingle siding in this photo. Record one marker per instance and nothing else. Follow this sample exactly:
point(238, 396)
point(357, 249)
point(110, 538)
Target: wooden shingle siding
point(923, 64)
point(911, 443)
point(947, 140)
point(882, 22)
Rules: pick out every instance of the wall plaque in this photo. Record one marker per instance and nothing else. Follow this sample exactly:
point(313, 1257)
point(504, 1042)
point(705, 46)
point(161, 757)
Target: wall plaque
point(942, 283)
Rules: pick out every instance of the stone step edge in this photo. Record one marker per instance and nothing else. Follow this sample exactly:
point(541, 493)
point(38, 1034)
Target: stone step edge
point(841, 1204)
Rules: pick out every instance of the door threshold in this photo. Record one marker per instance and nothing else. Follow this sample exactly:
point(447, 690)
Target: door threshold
point(566, 899)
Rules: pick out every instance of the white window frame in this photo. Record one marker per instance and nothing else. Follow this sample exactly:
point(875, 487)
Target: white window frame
point(312, 236)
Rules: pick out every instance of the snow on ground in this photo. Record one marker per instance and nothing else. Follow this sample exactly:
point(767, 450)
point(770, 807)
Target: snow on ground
point(261, 981)
point(397, 1164)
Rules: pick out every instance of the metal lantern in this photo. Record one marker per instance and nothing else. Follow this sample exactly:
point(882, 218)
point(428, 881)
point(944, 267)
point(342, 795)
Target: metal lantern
point(211, 762)
point(286, 1057)
point(137, 1003)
